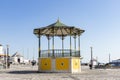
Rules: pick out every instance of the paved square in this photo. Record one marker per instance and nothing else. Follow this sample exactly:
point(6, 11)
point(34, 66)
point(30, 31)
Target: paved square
point(27, 72)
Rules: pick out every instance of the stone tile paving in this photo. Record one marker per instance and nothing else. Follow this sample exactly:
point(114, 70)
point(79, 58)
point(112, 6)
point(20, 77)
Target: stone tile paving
point(27, 72)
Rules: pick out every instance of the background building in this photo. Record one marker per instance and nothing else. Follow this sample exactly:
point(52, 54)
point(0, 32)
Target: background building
point(1, 49)
point(2, 55)
point(17, 58)
point(115, 63)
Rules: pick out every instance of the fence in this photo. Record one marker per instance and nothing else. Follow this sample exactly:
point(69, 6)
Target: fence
point(60, 53)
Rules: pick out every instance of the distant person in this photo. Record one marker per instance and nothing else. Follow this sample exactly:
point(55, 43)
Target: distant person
point(90, 65)
point(33, 62)
point(8, 65)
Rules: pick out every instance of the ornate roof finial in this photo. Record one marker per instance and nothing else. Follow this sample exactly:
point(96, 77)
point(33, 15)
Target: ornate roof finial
point(58, 20)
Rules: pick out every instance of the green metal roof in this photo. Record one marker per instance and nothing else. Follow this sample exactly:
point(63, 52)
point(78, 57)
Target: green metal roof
point(57, 24)
point(58, 29)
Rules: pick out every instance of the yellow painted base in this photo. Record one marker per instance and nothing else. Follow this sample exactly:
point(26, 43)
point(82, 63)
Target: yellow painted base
point(62, 63)
point(45, 64)
point(76, 65)
point(68, 64)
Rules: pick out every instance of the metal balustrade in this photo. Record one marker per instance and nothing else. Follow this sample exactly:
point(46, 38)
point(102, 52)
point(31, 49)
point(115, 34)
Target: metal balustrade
point(60, 53)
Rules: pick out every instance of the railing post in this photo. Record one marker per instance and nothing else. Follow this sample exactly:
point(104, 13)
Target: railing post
point(48, 37)
point(70, 44)
point(79, 45)
point(62, 46)
point(39, 50)
point(53, 48)
point(75, 44)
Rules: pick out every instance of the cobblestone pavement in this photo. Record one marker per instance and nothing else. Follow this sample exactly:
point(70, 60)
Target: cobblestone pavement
point(27, 72)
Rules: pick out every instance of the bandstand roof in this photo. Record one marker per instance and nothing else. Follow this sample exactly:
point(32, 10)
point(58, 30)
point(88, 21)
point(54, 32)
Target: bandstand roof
point(58, 29)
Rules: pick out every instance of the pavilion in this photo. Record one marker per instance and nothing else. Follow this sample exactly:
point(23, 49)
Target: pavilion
point(59, 60)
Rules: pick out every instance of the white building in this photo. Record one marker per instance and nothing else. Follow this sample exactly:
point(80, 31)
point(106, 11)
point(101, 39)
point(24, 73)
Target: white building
point(17, 58)
point(95, 62)
point(1, 49)
point(1, 54)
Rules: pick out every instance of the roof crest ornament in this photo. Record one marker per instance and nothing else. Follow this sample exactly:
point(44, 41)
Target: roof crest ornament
point(58, 20)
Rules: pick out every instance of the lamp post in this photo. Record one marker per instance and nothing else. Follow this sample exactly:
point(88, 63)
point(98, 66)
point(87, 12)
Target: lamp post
point(109, 57)
point(8, 56)
point(5, 59)
point(91, 58)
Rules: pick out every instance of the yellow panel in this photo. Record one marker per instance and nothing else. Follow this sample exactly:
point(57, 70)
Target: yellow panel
point(62, 64)
point(76, 63)
point(45, 64)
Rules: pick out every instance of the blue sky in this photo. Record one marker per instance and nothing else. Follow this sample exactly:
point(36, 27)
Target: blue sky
point(99, 18)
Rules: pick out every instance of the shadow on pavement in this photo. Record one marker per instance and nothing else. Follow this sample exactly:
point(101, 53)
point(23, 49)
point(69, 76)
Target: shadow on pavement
point(30, 72)
point(23, 72)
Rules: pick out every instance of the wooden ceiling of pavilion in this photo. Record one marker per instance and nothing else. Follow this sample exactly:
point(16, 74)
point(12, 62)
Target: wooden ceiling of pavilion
point(58, 29)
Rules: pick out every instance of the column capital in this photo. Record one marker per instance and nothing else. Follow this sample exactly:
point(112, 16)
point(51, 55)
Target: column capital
point(48, 37)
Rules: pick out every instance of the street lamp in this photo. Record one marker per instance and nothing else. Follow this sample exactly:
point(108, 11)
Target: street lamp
point(109, 58)
point(8, 56)
point(91, 58)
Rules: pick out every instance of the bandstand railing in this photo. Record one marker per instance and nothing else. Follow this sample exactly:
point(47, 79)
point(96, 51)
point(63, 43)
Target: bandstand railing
point(60, 53)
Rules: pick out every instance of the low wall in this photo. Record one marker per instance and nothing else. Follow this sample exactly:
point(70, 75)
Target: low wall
point(59, 64)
